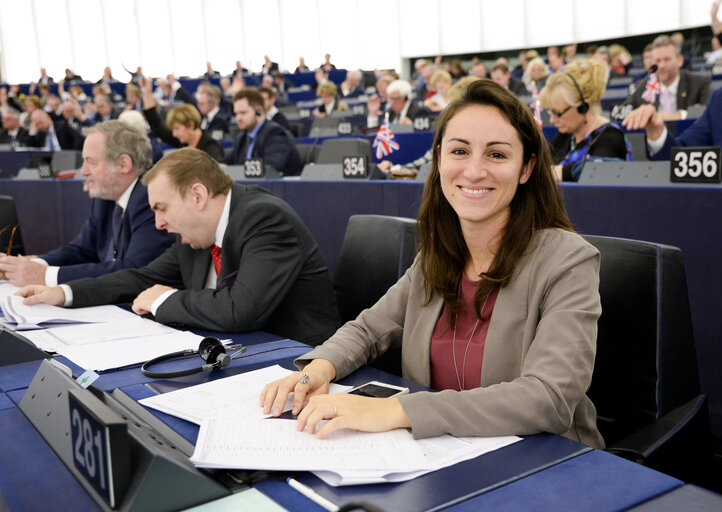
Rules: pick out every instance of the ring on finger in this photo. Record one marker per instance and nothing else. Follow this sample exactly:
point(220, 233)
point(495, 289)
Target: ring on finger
point(304, 379)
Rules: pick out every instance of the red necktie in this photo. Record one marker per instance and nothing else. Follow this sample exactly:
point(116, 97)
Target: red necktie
point(216, 255)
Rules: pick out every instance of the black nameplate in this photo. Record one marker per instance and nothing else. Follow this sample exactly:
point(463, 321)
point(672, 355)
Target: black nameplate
point(422, 124)
point(344, 128)
point(304, 112)
point(355, 167)
point(254, 168)
point(619, 112)
point(699, 164)
point(94, 445)
point(45, 170)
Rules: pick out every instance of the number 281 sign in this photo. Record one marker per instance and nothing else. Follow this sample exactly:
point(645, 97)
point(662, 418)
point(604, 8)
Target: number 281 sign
point(696, 164)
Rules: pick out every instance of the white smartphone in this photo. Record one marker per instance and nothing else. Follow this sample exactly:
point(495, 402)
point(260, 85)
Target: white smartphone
point(378, 389)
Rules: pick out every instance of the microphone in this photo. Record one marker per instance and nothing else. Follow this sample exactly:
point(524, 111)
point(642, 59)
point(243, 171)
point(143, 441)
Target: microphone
point(652, 69)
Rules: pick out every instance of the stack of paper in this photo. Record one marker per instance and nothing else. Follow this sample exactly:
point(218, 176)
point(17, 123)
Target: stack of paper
point(18, 316)
point(236, 434)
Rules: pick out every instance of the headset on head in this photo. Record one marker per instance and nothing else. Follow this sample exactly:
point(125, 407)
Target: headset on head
point(211, 351)
point(584, 107)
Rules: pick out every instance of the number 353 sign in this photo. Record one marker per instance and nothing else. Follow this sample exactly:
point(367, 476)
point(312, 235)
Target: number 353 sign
point(696, 164)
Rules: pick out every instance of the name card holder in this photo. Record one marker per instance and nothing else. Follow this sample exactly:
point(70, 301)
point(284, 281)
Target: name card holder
point(254, 168)
point(698, 164)
point(117, 451)
point(355, 167)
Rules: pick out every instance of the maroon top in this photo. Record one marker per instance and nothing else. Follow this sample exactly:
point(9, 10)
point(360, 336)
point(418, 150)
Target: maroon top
point(467, 373)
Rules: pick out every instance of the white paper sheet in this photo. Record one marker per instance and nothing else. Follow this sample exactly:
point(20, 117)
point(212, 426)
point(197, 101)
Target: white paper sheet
point(82, 334)
point(237, 395)
point(119, 353)
point(440, 452)
point(43, 314)
point(275, 444)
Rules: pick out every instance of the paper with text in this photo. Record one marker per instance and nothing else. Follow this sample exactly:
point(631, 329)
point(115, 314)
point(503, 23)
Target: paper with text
point(275, 444)
point(30, 317)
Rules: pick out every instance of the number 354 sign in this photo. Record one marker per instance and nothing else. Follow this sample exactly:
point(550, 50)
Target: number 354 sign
point(696, 164)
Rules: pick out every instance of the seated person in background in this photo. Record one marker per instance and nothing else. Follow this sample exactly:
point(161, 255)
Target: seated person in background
point(555, 59)
point(282, 86)
point(506, 276)
point(260, 138)
point(50, 135)
point(501, 75)
point(716, 26)
point(214, 121)
point(210, 72)
point(104, 110)
point(272, 112)
point(380, 101)
point(243, 259)
point(107, 77)
point(440, 83)
point(268, 66)
point(327, 66)
point(239, 70)
point(457, 69)
point(120, 232)
point(678, 88)
point(182, 124)
point(330, 103)
point(74, 116)
point(11, 131)
point(478, 69)
point(705, 131)
point(573, 101)
point(402, 109)
point(423, 89)
point(352, 87)
point(647, 61)
point(132, 97)
point(302, 67)
point(620, 59)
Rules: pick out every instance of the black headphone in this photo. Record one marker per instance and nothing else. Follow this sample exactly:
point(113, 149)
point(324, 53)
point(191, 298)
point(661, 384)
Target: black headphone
point(584, 107)
point(211, 351)
point(259, 112)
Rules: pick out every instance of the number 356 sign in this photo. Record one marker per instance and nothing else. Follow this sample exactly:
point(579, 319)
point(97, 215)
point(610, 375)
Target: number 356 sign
point(696, 164)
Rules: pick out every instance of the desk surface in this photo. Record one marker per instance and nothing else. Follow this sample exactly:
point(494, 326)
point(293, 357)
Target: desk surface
point(544, 470)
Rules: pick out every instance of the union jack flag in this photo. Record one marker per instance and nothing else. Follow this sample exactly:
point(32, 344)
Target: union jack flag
point(651, 90)
point(537, 106)
point(384, 142)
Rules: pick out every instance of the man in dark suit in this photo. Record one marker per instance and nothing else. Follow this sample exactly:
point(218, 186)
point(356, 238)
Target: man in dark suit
point(402, 110)
point(12, 132)
point(213, 119)
point(268, 66)
point(104, 109)
point(272, 112)
point(705, 131)
point(53, 135)
point(500, 74)
point(120, 232)
point(243, 259)
point(260, 138)
point(678, 88)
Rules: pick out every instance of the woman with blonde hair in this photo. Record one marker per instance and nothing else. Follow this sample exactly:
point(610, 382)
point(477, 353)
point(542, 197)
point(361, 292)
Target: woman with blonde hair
point(573, 99)
point(441, 83)
point(536, 74)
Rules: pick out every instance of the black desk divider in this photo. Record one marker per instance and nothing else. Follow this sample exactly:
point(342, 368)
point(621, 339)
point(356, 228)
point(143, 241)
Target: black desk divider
point(149, 462)
point(14, 349)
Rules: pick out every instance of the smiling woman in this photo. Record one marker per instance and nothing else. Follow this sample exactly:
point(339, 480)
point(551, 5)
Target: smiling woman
point(499, 310)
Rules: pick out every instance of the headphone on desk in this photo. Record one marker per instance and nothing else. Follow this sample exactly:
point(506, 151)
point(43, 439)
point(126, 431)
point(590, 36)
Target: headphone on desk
point(584, 107)
point(211, 351)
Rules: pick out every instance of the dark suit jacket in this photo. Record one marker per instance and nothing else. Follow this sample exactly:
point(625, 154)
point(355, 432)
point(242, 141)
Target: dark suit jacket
point(21, 137)
point(693, 88)
point(160, 130)
point(415, 110)
point(273, 144)
point(517, 87)
point(68, 137)
point(219, 123)
point(705, 131)
point(140, 242)
point(272, 277)
point(281, 120)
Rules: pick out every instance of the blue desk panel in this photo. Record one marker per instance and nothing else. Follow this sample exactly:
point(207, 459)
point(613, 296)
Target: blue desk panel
point(595, 481)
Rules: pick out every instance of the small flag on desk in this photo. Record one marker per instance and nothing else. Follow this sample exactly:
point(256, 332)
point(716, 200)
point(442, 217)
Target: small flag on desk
point(651, 90)
point(537, 106)
point(385, 142)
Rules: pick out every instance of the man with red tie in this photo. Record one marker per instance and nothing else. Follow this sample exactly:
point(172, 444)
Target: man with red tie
point(243, 260)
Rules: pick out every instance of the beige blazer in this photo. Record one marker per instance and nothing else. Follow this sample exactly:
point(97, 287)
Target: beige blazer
point(538, 357)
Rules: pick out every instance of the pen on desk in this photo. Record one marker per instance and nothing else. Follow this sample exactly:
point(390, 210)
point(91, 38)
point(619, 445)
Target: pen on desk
point(311, 494)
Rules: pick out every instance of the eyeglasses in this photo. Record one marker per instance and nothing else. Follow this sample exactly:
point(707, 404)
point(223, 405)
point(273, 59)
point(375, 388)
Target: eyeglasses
point(397, 98)
point(559, 114)
point(12, 236)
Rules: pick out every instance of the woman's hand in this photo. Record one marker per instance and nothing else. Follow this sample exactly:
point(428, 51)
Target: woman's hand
point(352, 411)
point(319, 373)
